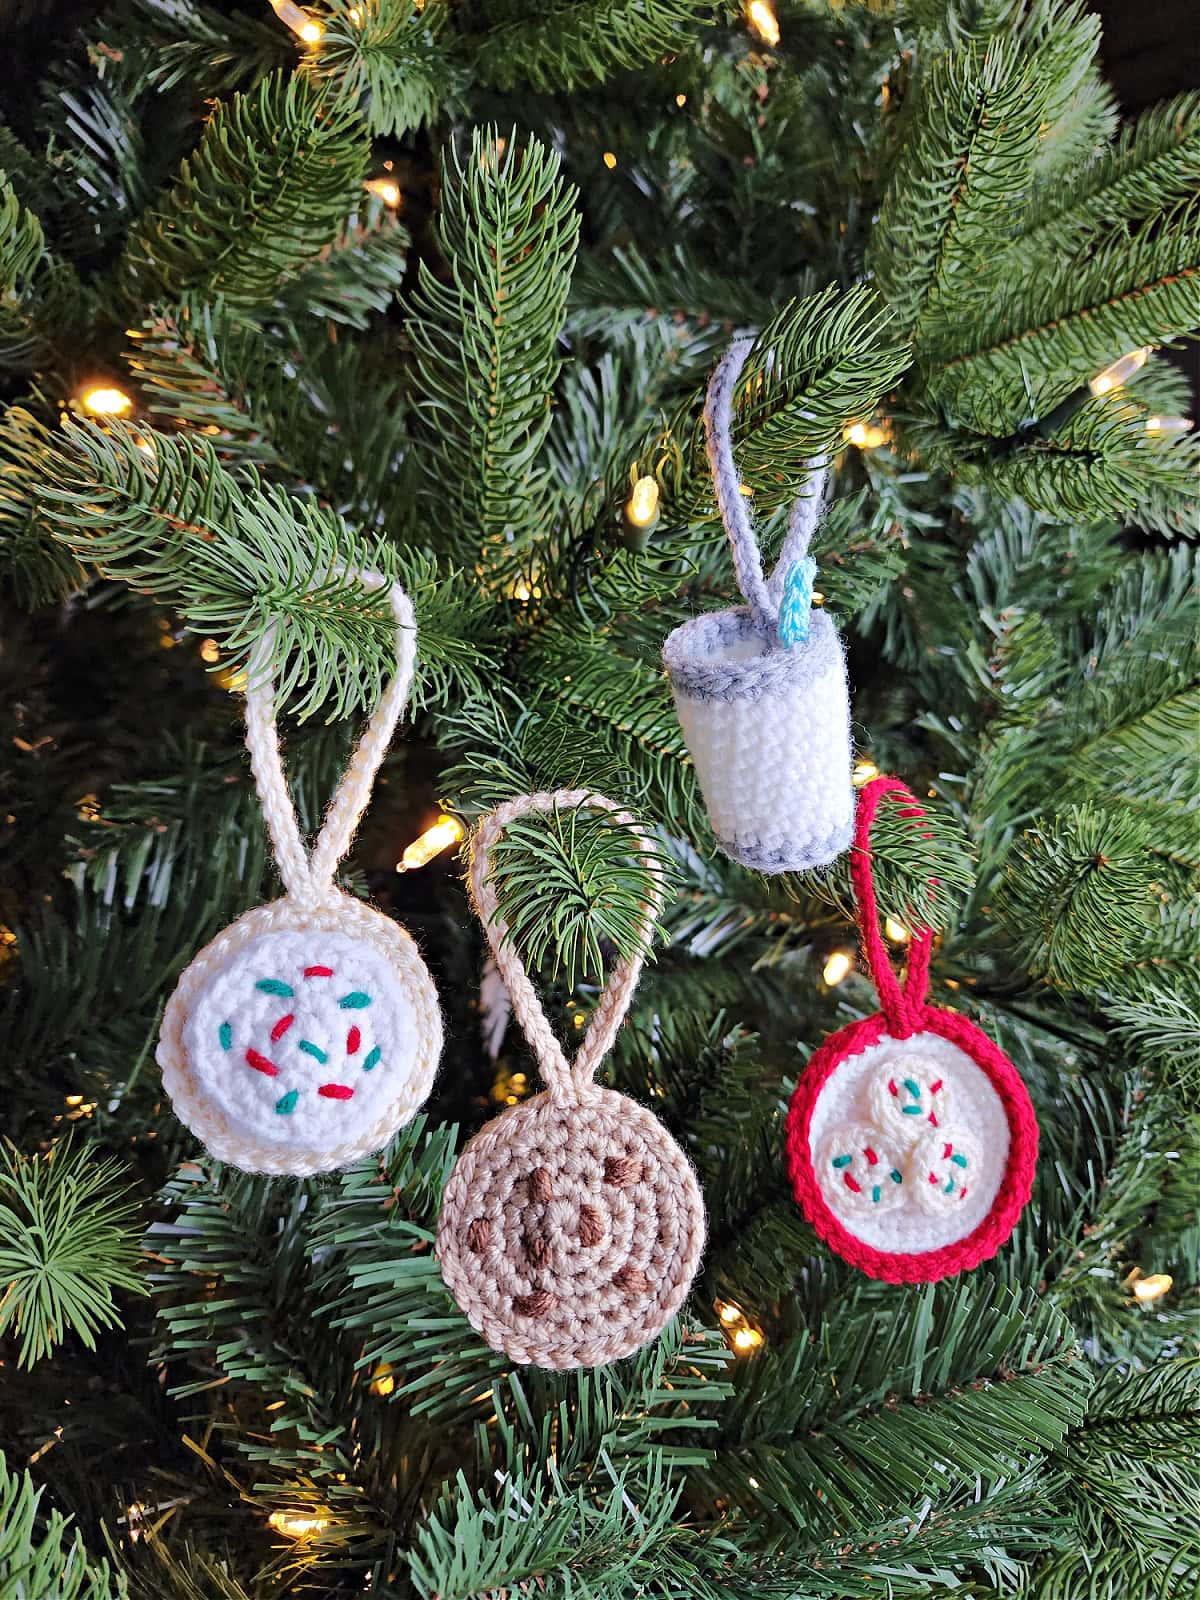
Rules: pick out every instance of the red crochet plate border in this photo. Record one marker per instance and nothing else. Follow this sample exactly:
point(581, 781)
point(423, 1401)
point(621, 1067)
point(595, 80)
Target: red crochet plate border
point(983, 1242)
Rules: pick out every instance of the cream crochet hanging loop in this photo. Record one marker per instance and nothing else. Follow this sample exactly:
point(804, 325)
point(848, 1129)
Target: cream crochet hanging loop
point(760, 690)
point(564, 1080)
point(309, 878)
point(572, 1225)
point(308, 1031)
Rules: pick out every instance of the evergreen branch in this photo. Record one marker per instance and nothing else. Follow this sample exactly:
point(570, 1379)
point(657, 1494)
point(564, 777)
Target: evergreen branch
point(969, 149)
point(233, 559)
point(1042, 337)
point(1153, 166)
point(486, 341)
point(567, 43)
point(65, 1248)
point(187, 42)
point(820, 362)
point(1103, 461)
point(571, 882)
point(39, 568)
point(388, 61)
point(1077, 894)
point(270, 184)
point(1157, 1017)
point(358, 274)
point(35, 1558)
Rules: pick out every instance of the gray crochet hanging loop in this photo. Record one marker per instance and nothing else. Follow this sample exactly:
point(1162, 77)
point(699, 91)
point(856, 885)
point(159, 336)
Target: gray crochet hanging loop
point(779, 606)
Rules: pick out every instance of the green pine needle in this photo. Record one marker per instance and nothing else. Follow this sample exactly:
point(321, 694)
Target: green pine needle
point(67, 1244)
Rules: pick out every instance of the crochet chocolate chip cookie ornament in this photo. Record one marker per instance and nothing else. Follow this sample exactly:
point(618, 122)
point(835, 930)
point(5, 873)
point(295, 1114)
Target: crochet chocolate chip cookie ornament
point(911, 1140)
point(308, 1031)
point(572, 1225)
point(760, 690)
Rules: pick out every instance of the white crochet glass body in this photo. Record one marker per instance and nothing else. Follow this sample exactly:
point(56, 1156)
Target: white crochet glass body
point(768, 730)
point(935, 1148)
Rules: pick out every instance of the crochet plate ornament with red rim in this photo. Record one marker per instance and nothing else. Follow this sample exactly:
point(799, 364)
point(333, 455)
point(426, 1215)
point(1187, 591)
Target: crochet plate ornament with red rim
point(911, 1139)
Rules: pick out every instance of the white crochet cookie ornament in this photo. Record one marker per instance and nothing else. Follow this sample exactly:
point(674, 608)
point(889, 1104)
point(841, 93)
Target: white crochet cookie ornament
point(306, 1033)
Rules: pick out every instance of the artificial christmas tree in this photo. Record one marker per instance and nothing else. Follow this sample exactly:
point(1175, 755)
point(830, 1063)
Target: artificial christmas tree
point(437, 291)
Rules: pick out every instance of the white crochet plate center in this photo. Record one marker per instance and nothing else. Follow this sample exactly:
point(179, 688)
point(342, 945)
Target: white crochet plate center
point(302, 1038)
point(909, 1141)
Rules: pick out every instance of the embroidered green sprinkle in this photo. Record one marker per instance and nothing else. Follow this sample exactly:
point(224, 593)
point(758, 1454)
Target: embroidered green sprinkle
point(875, 1193)
point(225, 1034)
point(273, 986)
point(355, 1001)
point(896, 1178)
point(911, 1111)
point(313, 1050)
point(912, 1088)
point(959, 1161)
point(949, 1189)
point(286, 1103)
point(372, 1059)
point(842, 1161)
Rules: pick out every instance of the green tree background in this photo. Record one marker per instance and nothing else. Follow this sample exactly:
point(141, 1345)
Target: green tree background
point(432, 291)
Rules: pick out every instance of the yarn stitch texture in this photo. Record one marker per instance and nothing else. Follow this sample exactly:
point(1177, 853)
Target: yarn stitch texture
point(308, 1031)
point(760, 690)
point(909, 1029)
point(572, 1225)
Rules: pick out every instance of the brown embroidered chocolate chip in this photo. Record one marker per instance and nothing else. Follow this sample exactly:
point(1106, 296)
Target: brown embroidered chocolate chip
point(591, 1226)
point(632, 1280)
point(540, 1186)
point(537, 1304)
point(478, 1234)
point(622, 1171)
point(537, 1251)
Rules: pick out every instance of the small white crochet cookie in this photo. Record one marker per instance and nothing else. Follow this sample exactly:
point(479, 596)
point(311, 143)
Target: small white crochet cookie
point(302, 1038)
point(942, 1166)
point(861, 1170)
point(909, 1095)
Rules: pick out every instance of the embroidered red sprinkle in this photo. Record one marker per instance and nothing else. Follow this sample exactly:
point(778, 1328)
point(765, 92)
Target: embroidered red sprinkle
point(261, 1064)
point(336, 1091)
point(892, 1089)
point(933, 1177)
point(318, 972)
point(947, 1150)
point(281, 1027)
point(933, 1119)
point(934, 1087)
point(850, 1183)
point(353, 1040)
point(870, 1154)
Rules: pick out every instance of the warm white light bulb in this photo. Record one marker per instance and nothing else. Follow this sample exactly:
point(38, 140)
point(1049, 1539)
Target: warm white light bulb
point(1165, 427)
point(1154, 1286)
point(1120, 371)
point(864, 771)
point(444, 832)
point(105, 400)
point(642, 506)
point(302, 24)
point(385, 189)
point(839, 965)
point(295, 1524)
point(761, 17)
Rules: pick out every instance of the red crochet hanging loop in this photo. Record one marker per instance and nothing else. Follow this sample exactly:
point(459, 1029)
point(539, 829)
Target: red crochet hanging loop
point(902, 1007)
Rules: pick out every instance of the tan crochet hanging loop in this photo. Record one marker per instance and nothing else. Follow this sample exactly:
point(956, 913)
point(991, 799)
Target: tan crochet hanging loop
point(565, 1080)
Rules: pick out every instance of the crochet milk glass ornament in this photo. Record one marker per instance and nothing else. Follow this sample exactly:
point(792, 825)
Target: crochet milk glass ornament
point(572, 1224)
point(308, 1031)
point(760, 690)
point(911, 1140)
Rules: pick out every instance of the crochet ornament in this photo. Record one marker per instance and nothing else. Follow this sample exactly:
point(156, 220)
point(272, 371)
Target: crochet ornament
point(911, 1140)
point(572, 1225)
point(760, 690)
point(308, 1031)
